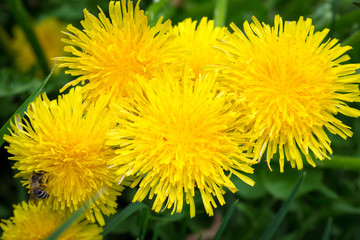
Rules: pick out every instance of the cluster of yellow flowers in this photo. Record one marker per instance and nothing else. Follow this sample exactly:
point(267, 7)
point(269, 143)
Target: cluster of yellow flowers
point(48, 33)
point(177, 110)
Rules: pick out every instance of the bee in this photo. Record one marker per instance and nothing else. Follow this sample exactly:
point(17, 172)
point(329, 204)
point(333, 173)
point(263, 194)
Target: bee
point(37, 185)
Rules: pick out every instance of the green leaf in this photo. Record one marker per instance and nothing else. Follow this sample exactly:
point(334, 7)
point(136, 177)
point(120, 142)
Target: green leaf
point(282, 212)
point(159, 9)
point(21, 110)
point(165, 222)
point(346, 19)
point(343, 207)
point(258, 9)
point(280, 185)
point(225, 221)
point(4, 211)
point(14, 83)
point(250, 192)
point(167, 217)
point(220, 12)
point(121, 216)
point(327, 231)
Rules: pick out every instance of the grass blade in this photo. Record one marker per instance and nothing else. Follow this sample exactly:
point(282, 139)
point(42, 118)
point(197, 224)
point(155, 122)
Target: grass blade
point(183, 227)
point(23, 19)
point(21, 110)
point(156, 232)
point(144, 219)
point(327, 231)
point(121, 216)
point(282, 212)
point(220, 12)
point(55, 235)
point(68, 223)
point(225, 221)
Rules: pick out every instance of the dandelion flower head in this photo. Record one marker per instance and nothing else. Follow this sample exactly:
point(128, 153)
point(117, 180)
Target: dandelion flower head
point(48, 32)
point(67, 142)
point(39, 222)
point(176, 136)
point(293, 84)
point(109, 53)
point(198, 41)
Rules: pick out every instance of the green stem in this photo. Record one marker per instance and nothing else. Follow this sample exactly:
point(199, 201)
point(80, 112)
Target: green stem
point(340, 162)
point(220, 12)
point(23, 19)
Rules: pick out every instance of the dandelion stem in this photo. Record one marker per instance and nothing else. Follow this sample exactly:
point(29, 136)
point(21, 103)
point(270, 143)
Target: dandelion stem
point(22, 18)
point(341, 162)
point(220, 12)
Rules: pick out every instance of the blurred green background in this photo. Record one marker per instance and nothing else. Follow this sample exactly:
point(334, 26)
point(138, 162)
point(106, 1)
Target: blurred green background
point(330, 191)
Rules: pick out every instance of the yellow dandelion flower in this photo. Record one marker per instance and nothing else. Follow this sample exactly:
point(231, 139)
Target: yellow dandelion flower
point(293, 85)
point(176, 136)
point(48, 33)
point(199, 41)
point(39, 222)
point(67, 142)
point(108, 53)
